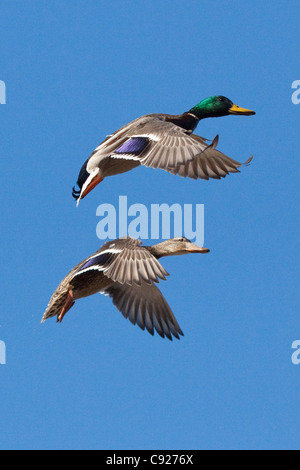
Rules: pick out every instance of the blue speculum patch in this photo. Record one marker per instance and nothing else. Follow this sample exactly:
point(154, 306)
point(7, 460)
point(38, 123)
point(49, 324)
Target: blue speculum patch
point(99, 260)
point(133, 146)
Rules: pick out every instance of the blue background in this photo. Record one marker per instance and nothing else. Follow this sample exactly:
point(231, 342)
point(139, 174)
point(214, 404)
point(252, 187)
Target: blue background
point(75, 72)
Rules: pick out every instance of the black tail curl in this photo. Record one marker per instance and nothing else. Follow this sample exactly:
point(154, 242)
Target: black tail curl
point(76, 193)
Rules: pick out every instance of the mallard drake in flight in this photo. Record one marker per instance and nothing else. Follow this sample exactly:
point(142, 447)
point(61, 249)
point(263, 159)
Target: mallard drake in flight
point(163, 141)
point(127, 272)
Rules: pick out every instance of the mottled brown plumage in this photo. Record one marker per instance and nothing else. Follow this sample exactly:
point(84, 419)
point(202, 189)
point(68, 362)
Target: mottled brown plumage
point(127, 272)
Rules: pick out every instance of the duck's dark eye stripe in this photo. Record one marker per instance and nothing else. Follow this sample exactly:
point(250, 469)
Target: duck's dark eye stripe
point(100, 261)
point(133, 146)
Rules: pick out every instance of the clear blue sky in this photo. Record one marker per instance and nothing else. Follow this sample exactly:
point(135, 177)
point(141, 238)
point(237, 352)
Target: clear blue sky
point(75, 72)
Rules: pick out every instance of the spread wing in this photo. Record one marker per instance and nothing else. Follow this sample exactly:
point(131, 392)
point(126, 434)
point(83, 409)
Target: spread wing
point(145, 306)
point(156, 143)
point(125, 261)
point(151, 141)
point(159, 144)
point(209, 163)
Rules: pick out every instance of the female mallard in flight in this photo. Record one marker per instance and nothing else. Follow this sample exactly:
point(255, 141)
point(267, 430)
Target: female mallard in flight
point(162, 141)
point(127, 272)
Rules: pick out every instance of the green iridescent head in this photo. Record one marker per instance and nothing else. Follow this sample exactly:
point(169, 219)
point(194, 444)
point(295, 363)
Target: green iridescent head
point(217, 106)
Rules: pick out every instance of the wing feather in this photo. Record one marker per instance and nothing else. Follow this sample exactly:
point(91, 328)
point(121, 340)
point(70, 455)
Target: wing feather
point(124, 261)
point(209, 163)
point(159, 144)
point(145, 306)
